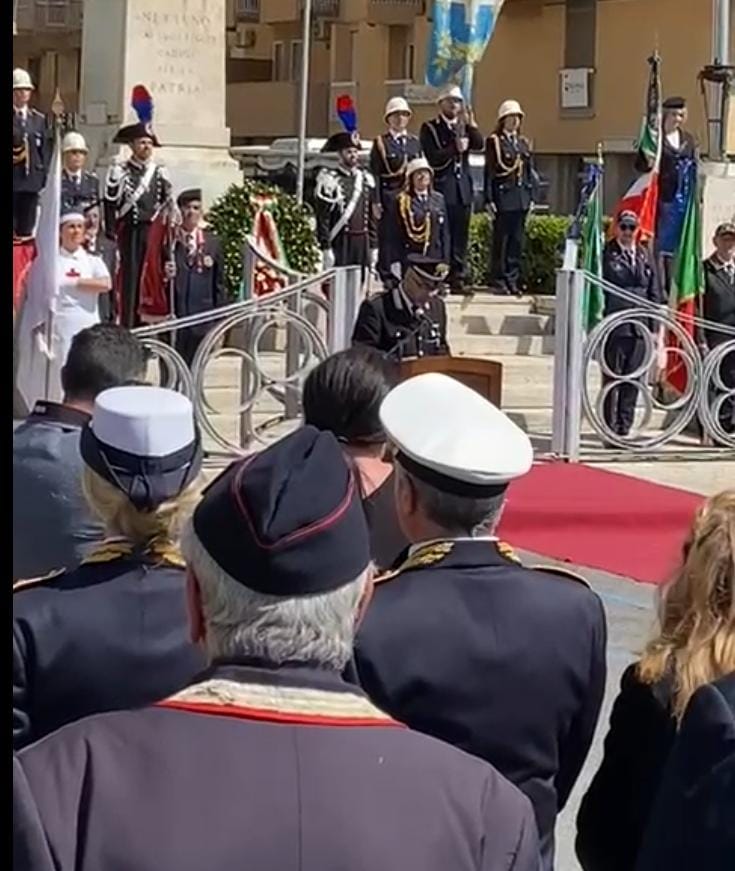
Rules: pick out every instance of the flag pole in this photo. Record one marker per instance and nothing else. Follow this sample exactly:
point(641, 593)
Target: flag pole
point(57, 108)
point(303, 99)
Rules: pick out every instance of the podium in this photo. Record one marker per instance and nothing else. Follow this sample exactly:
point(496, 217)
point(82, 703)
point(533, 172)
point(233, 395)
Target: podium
point(484, 376)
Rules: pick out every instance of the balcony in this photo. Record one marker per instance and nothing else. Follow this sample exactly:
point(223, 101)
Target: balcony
point(247, 10)
point(58, 16)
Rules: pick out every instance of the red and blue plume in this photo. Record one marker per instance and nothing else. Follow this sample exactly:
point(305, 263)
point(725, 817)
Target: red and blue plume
point(142, 103)
point(347, 113)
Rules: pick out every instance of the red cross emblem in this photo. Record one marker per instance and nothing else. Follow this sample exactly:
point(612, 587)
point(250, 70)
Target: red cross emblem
point(72, 273)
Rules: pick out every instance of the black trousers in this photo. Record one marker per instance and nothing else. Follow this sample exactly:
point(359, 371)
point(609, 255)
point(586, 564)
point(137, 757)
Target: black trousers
point(25, 207)
point(458, 218)
point(726, 414)
point(509, 230)
point(132, 245)
point(623, 354)
point(387, 244)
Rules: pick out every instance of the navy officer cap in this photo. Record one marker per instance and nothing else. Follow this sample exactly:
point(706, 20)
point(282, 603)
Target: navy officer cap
point(430, 269)
point(287, 521)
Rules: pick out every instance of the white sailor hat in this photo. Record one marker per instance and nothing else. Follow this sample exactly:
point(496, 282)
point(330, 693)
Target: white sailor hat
point(509, 107)
point(144, 441)
point(74, 141)
point(22, 79)
point(453, 92)
point(396, 104)
point(470, 448)
point(416, 164)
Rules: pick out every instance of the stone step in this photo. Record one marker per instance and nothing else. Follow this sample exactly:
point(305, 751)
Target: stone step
point(537, 421)
point(492, 346)
point(488, 322)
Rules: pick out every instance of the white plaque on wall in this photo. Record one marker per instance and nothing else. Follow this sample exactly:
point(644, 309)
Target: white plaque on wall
point(575, 92)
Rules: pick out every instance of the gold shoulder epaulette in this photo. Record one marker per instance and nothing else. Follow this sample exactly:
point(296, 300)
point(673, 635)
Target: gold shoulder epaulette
point(506, 550)
point(560, 570)
point(25, 583)
point(108, 551)
point(428, 555)
point(386, 576)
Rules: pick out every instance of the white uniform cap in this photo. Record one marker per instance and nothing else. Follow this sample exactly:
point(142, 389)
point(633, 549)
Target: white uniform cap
point(454, 93)
point(396, 104)
point(71, 218)
point(74, 141)
point(451, 437)
point(21, 79)
point(143, 421)
point(509, 107)
point(416, 164)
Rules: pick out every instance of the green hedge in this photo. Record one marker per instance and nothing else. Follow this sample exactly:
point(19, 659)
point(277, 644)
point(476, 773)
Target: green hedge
point(231, 218)
point(542, 251)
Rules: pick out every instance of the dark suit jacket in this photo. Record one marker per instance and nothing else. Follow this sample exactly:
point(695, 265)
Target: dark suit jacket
point(31, 152)
point(692, 824)
point(200, 286)
point(53, 527)
point(76, 193)
point(718, 301)
point(512, 192)
point(452, 176)
point(639, 279)
point(504, 662)
point(106, 249)
point(642, 732)
point(398, 331)
point(111, 634)
point(239, 785)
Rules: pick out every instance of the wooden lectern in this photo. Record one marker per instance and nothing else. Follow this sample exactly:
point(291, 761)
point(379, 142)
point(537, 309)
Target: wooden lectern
point(484, 376)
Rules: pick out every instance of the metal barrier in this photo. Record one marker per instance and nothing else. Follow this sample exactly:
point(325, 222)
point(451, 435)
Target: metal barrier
point(584, 378)
point(276, 339)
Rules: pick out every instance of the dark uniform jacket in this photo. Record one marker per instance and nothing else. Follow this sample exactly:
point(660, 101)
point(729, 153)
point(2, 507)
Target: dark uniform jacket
point(407, 218)
point(102, 246)
point(333, 197)
point(692, 824)
point(718, 301)
point(199, 284)
point(121, 202)
point(511, 183)
point(637, 277)
point(452, 176)
point(111, 634)
point(668, 173)
point(465, 644)
point(388, 159)
point(402, 331)
point(53, 527)
point(313, 780)
point(78, 190)
point(31, 151)
point(638, 743)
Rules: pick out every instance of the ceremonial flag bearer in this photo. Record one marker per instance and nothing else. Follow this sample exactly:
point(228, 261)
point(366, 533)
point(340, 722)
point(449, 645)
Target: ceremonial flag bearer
point(463, 642)
point(268, 760)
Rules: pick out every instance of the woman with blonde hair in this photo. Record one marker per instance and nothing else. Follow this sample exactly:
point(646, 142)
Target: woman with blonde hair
point(113, 633)
point(695, 645)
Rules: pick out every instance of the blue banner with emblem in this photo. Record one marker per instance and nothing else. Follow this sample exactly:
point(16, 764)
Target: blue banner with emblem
point(460, 33)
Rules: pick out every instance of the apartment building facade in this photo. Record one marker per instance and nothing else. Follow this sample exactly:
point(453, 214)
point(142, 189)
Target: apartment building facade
point(578, 67)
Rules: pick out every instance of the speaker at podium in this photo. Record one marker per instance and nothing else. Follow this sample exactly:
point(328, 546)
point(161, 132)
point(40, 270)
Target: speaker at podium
point(483, 376)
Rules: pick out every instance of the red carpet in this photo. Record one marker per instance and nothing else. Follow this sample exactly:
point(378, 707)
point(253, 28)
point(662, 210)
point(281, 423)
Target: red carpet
point(590, 517)
point(23, 254)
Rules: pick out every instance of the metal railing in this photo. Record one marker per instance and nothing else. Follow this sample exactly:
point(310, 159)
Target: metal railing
point(585, 379)
point(274, 341)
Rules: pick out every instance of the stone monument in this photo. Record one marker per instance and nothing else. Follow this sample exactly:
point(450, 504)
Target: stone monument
point(176, 48)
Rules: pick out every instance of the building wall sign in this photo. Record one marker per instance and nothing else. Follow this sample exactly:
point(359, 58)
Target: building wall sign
point(575, 90)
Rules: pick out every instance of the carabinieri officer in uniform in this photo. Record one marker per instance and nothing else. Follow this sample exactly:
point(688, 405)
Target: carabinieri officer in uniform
point(410, 320)
point(113, 633)
point(463, 642)
point(390, 156)
point(511, 186)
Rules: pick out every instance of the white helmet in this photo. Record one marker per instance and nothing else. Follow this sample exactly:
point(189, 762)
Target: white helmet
point(74, 141)
point(396, 104)
point(21, 79)
point(416, 164)
point(454, 92)
point(509, 107)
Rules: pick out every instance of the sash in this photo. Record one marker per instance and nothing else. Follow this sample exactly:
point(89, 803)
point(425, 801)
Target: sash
point(143, 185)
point(349, 208)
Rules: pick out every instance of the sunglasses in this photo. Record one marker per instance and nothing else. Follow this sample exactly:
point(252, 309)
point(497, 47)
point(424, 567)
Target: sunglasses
point(630, 227)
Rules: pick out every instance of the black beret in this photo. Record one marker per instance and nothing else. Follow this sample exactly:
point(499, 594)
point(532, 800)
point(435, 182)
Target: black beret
point(287, 521)
point(674, 103)
point(189, 196)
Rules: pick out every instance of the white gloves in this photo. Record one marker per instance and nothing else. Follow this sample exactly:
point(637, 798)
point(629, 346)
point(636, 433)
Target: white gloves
point(373, 258)
point(327, 259)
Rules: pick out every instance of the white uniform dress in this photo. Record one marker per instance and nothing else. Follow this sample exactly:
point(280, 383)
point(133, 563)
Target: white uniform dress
point(76, 309)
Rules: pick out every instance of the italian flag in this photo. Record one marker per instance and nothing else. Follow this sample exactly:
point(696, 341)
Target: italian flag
point(686, 286)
